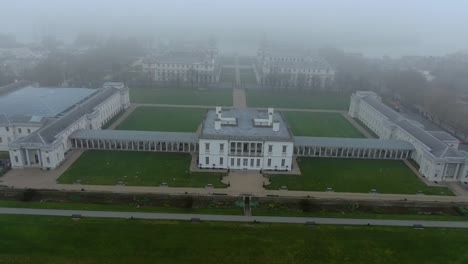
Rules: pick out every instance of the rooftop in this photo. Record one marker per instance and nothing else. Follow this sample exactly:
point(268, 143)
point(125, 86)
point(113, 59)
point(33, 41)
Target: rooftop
point(179, 57)
point(307, 64)
point(42, 102)
point(245, 128)
point(437, 148)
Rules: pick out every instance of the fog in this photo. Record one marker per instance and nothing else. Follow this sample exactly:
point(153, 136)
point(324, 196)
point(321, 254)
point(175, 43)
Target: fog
point(375, 28)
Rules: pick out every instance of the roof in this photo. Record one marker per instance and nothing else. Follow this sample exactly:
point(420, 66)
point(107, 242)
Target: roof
point(245, 128)
point(444, 136)
point(44, 102)
point(48, 134)
point(437, 148)
point(366, 143)
point(135, 135)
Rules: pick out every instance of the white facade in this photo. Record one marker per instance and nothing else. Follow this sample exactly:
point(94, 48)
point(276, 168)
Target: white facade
point(293, 69)
point(46, 148)
point(245, 140)
point(438, 159)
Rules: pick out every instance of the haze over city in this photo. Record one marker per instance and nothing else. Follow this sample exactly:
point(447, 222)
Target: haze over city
point(374, 28)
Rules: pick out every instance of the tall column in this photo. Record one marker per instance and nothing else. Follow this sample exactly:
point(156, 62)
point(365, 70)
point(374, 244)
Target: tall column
point(27, 157)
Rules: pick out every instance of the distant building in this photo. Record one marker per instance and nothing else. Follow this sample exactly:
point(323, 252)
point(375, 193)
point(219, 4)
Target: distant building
point(435, 151)
point(296, 68)
point(184, 63)
point(35, 122)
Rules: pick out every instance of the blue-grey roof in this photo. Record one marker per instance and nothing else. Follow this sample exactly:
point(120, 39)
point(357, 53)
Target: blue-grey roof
point(444, 136)
point(49, 132)
point(245, 128)
point(437, 148)
point(44, 102)
point(135, 135)
point(366, 143)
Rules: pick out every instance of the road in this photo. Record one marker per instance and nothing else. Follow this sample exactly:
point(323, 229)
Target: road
point(235, 218)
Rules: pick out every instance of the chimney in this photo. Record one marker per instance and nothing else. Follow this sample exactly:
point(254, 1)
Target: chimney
point(218, 112)
point(218, 124)
point(270, 115)
point(276, 126)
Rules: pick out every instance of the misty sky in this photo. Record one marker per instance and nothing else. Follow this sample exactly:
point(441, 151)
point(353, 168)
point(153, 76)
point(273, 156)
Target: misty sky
point(374, 27)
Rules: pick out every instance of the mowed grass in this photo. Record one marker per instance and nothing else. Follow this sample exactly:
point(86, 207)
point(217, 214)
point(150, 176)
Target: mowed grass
point(137, 169)
point(181, 96)
point(228, 75)
point(172, 119)
point(298, 99)
point(321, 125)
point(247, 75)
point(355, 175)
point(47, 239)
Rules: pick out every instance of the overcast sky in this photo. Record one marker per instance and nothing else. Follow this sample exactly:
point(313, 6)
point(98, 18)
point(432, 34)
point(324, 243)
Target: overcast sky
point(374, 27)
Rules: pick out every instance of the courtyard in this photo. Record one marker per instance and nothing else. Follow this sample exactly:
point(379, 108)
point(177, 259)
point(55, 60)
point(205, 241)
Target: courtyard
point(247, 75)
point(228, 75)
point(47, 239)
point(171, 95)
point(138, 169)
point(355, 175)
point(320, 124)
point(298, 99)
point(172, 119)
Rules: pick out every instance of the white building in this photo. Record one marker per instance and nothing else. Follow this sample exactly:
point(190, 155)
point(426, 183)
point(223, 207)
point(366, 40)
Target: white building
point(435, 152)
point(37, 122)
point(283, 67)
point(245, 139)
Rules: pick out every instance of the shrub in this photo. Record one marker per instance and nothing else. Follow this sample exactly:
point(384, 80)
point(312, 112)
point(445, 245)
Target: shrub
point(28, 195)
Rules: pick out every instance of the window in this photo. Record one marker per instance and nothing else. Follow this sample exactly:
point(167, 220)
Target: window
point(221, 147)
point(1, 139)
point(269, 163)
point(258, 162)
point(207, 160)
point(238, 162)
point(270, 148)
point(283, 162)
point(48, 160)
point(221, 161)
point(207, 146)
point(29, 131)
point(232, 161)
point(284, 148)
point(19, 130)
point(245, 162)
point(7, 129)
point(16, 159)
point(252, 162)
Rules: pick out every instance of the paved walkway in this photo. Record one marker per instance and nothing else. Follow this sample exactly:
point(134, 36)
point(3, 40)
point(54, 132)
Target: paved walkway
point(239, 98)
point(357, 125)
point(250, 182)
point(235, 218)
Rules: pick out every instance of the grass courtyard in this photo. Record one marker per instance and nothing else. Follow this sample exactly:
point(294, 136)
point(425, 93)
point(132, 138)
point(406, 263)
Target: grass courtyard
point(315, 124)
point(228, 75)
point(148, 118)
point(181, 96)
point(45, 239)
point(247, 76)
point(137, 169)
point(298, 99)
point(355, 175)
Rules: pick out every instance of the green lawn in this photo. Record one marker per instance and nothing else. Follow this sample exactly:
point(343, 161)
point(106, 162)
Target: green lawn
point(298, 99)
point(355, 175)
point(181, 96)
point(321, 125)
point(366, 128)
point(228, 75)
point(46, 239)
point(137, 169)
point(247, 76)
point(147, 118)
